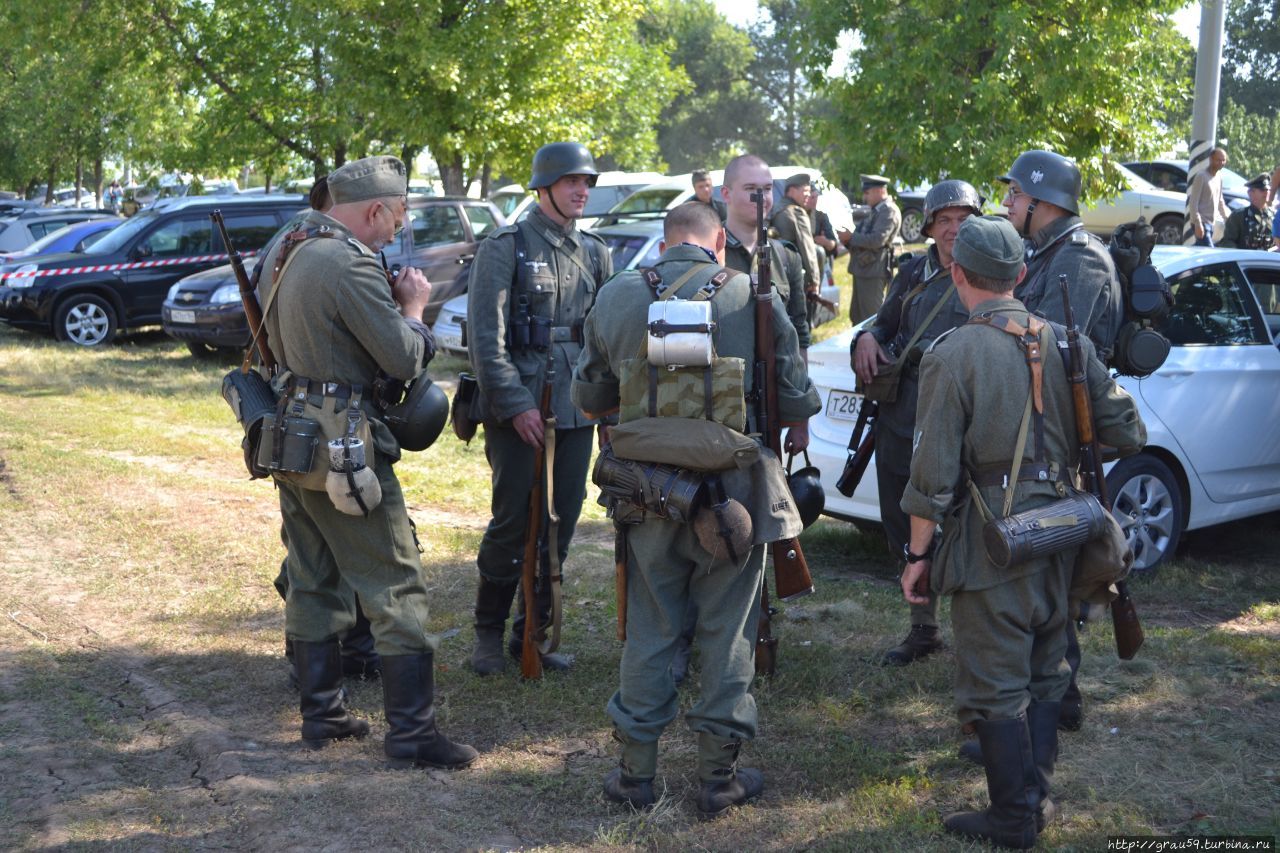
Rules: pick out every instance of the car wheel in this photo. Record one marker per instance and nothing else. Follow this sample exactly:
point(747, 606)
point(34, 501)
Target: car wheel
point(1148, 503)
point(85, 320)
point(912, 222)
point(204, 351)
point(1168, 230)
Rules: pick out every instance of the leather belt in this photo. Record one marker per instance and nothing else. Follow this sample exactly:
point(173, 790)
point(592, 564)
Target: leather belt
point(1030, 472)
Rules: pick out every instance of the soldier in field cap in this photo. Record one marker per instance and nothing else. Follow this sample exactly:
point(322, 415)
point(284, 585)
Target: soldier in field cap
point(1250, 226)
point(335, 324)
point(996, 414)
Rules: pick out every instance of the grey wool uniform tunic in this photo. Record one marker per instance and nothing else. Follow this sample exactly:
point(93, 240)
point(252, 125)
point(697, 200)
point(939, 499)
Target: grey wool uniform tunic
point(926, 282)
point(787, 273)
point(1063, 247)
point(667, 568)
point(334, 320)
point(562, 274)
point(1009, 623)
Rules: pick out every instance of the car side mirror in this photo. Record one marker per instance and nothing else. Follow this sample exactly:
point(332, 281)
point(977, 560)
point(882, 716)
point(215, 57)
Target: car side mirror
point(142, 250)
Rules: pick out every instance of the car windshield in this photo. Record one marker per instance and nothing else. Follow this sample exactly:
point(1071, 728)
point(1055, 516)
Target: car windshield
point(507, 202)
point(647, 201)
point(116, 239)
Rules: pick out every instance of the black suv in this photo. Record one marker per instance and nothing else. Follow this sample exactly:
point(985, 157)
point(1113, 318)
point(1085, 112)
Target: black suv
point(440, 238)
point(121, 281)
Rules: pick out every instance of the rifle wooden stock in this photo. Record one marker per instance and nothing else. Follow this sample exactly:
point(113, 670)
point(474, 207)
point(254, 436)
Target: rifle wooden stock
point(790, 569)
point(530, 651)
point(252, 310)
point(1124, 615)
point(856, 465)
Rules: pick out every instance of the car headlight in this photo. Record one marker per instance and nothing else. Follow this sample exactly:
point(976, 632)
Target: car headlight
point(18, 283)
point(173, 292)
point(226, 293)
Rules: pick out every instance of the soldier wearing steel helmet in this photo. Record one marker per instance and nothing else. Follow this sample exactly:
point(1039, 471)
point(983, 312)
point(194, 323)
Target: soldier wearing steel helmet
point(1043, 201)
point(532, 285)
point(920, 306)
point(334, 323)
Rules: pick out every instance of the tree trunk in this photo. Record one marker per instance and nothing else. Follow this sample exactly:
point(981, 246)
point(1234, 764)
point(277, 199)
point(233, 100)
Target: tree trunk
point(451, 175)
point(97, 180)
point(266, 182)
point(79, 179)
point(339, 154)
point(48, 187)
point(486, 174)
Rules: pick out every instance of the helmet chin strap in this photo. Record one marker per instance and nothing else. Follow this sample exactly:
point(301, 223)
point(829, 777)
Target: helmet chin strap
point(1026, 223)
point(552, 198)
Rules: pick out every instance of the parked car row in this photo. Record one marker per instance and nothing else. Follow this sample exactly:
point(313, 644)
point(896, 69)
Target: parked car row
point(440, 238)
point(121, 280)
point(1212, 411)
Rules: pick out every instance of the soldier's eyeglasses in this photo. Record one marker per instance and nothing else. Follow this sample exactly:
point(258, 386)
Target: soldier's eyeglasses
point(1012, 195)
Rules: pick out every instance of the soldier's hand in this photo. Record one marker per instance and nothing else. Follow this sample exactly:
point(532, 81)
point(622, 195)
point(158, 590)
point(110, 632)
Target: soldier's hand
point(868, 355)
point(915, 582)
point(797, 438)
point(411, 292)
point(602, 435)
point(528, 425)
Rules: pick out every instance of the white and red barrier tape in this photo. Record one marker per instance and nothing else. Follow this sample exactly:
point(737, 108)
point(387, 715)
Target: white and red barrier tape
point(134, 265)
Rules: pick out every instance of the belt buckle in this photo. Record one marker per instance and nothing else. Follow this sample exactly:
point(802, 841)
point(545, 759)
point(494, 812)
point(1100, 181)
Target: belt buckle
point(331, 389)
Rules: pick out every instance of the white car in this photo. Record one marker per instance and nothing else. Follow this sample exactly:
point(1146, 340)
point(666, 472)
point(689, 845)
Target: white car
point(1212, 410)
point(654, 200)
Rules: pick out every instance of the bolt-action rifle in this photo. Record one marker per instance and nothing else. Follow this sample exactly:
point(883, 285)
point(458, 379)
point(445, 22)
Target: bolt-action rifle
point(790, 570)
point(252, 310)
point(1124, 615)
point(535, 642)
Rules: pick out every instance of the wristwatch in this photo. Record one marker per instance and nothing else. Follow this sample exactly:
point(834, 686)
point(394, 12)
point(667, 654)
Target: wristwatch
point(915, 558)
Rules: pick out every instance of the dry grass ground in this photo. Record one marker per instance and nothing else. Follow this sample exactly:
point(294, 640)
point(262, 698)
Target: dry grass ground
point(144, 703)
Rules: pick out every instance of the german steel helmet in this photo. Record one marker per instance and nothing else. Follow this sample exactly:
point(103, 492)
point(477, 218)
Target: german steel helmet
point(949, 194)
point(1049, 177)
point(806, 489)
point(418, 419)
point(557, 159)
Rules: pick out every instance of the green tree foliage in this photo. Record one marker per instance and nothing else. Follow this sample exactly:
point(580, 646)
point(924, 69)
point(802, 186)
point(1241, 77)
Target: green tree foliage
point(1252, 139)
point(944, 87)
point(71, 85)
point(780, 78)
point(714, 118)
point(1251, 56)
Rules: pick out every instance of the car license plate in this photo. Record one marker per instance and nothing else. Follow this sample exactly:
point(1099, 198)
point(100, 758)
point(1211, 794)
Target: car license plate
point(179, 316)
point(453, 342)
point(843, 405)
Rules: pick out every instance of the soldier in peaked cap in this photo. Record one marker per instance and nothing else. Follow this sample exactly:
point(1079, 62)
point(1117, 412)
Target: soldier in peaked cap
point(791, 220)
point(981, 386)
point(334, 324)
point(1250, 227)
point(871, 248)
point(532, 286)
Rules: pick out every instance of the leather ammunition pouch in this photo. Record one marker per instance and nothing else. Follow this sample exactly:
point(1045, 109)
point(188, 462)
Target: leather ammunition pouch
point(883, 387)
point(310, 414)
point(464, 427)
point(1044, 530)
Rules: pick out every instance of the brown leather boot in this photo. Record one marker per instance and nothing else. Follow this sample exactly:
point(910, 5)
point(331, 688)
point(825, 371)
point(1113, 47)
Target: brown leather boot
point(723, 783)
